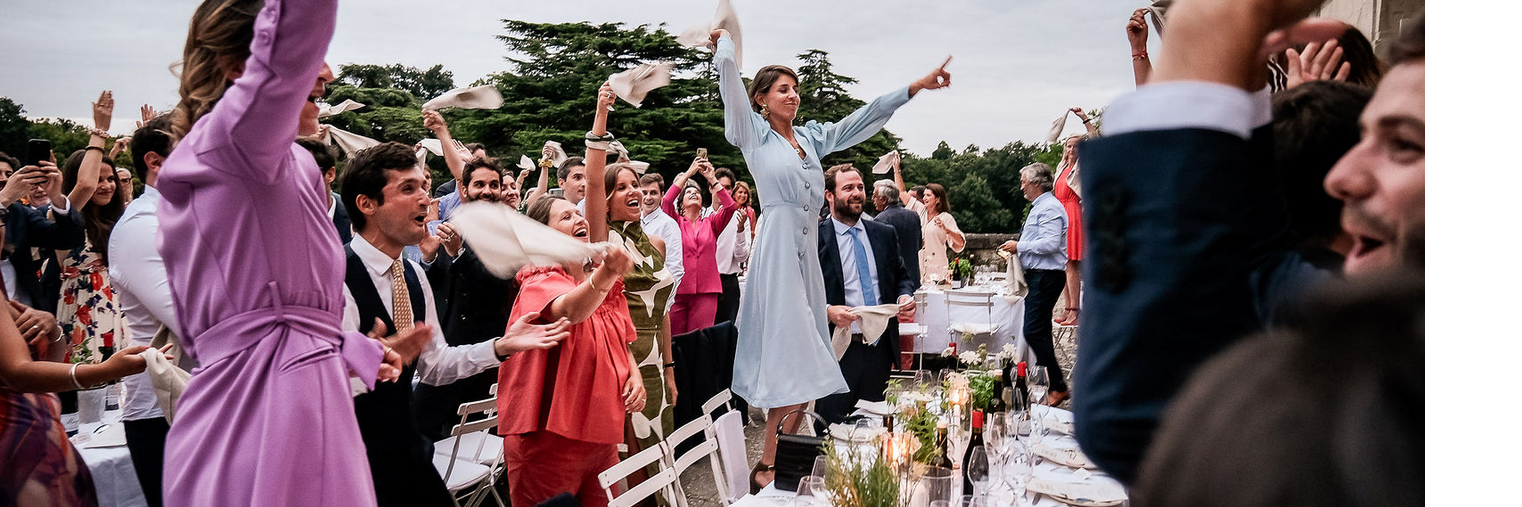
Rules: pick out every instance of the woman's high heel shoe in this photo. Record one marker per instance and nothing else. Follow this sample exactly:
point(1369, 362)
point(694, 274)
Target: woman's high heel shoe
point(760, 468)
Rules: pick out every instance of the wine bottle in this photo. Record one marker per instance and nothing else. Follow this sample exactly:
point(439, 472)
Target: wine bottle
point(944, 445)
point(996, 405)
point(973, 443)
point(1021, 392)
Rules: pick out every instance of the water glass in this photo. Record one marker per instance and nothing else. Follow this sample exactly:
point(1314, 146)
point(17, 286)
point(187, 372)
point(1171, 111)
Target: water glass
point(811, 492)
point(923, 378)
point(977, 470)
point(938, 483)
point(974, 501)
point(821, 468)
point(1018, 468)
point(1037, 379)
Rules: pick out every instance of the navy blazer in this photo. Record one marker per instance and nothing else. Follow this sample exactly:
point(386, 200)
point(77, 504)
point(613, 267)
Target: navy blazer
point(1177, 222)
point(910, 237)
point(26, 228)
point(341, 222)
point(892, 278)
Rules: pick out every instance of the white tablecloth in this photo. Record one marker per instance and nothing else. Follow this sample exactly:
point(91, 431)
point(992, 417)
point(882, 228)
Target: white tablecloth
point(937, 318)
point(111, 467)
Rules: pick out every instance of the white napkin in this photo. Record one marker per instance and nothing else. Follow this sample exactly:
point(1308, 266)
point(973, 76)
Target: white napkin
point(697, 36)
point(506, 240)
point(1015, 287)
point(330, 110)
point(623, 157)
point(1157, 10)
point(526, 163)
point(559, 153)
point(105, 435)
point(875, 407)
point(347, 141)
point(475, 97)
point(1057, 126)
point(885, 163)
point(874, 320)
point(632, 85)
point(434, 146)
point(168, 381)
point(1061, 483)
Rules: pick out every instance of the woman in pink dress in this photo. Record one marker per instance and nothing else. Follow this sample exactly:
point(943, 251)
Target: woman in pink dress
point(257, 274)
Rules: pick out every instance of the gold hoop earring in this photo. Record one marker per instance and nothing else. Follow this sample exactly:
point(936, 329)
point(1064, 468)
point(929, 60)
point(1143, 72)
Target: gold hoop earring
point(765, 111)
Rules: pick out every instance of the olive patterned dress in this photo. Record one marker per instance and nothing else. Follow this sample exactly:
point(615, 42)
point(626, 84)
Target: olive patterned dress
point(648, 288)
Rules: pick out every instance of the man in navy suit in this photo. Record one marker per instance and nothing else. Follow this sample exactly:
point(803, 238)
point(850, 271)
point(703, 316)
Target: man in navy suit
point(1186, 211)
point(862, 267)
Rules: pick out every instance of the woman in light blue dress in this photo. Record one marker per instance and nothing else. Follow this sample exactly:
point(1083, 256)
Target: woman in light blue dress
point(783, 359)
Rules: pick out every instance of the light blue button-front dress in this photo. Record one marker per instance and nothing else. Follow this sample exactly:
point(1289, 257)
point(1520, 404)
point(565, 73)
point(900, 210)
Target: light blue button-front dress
point(783, 356)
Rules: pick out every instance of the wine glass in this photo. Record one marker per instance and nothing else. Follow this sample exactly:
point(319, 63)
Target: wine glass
point(923, 378)
point(821, 467)
point(977, 470)
point(1018, 468)
point(995, 433)
point(1035, 377)
point(973, 501)
point(940, 483)
point(811, 492)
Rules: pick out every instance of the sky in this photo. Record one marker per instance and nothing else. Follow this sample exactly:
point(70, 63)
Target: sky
point(1018, 63)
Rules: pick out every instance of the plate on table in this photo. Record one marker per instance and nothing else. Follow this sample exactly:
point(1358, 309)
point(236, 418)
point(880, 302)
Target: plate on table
point(1090, 491)
point(1065, 452)
point(1055, 419)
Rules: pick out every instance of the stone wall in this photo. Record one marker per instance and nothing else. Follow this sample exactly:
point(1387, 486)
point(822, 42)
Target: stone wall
point(984, 249)
point(1380, 20)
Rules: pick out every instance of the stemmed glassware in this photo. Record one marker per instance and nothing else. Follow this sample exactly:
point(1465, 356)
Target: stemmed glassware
point(811, 493)
point(1035, 377)
point(977, 469)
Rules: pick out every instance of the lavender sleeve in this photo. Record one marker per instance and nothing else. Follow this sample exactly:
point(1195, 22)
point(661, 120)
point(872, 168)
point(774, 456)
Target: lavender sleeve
point(251, 128)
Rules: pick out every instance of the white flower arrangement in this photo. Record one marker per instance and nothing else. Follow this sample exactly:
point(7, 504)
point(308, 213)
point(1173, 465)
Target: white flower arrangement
point(1009, 352)
point(969, 358)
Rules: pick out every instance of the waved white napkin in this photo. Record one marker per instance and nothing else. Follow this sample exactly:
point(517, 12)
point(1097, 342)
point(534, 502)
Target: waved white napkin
point(330, 110)
point(168, 381)
point(885, 163)
point(1057, 126)
point(874, 320)
point(697, 36)
point(632, 85)
point(526, 163)
point(433, 146)
point(347, 141)
point(475, 97)
point(558, 152)
point(623, 157)
point(506, 240)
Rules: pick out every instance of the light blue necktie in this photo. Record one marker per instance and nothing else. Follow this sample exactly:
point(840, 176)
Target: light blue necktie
point(863, 271)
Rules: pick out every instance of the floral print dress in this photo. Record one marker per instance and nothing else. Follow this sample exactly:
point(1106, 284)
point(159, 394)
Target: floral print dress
point(87, 308)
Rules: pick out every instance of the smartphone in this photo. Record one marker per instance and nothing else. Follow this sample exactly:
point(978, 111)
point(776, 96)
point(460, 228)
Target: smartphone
point(37, 151)
point(703, 153)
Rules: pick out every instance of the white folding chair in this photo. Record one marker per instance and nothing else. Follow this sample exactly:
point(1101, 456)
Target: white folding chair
point(482, 465)
point(708, 446)
point(718, 400)
point(971, 299)
point(663, 481)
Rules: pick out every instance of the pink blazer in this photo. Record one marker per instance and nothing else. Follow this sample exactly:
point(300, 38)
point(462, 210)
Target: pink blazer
point(699, 239)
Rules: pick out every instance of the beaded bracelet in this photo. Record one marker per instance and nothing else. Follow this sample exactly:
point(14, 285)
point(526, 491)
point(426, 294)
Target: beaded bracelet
point(98, 133)
point(1139, 56)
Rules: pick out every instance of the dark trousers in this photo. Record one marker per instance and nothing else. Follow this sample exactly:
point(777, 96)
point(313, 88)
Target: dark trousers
point(145, 441)
point(1045, 286)
point(729, 300)
point(865, 368)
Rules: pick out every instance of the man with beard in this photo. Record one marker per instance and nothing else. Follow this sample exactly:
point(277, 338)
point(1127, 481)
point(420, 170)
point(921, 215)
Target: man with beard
point(384, 293)
point(1187, 209)
point(861, 267)
point(474, 303)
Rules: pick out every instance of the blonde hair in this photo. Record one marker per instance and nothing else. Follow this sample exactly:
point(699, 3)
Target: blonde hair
point(220, 31)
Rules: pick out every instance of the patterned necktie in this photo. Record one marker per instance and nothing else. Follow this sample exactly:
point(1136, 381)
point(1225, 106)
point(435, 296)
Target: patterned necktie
point(863, 271)
point(401, 300)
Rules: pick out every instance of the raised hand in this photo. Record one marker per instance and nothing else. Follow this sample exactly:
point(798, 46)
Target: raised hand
point(713, 37)
point(606, 97)
point(524, 334)
point(1079, 112)
point(450, 239)
point(616, 260)
point(21, 183)
point(434, 122)
point(460, 149)
point(102, 110)
point(1318, 63)
point(148, 114)
point(936, 79)
point(1136, 31)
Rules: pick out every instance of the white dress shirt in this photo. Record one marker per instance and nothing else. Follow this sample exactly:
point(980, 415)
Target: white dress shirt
point(142, 291)
point(439, 363)
point(849, 277)
point(657, 222)
point(731, 248)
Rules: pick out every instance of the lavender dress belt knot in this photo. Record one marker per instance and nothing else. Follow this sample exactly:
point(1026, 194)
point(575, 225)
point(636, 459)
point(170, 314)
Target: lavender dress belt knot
point(359, 352)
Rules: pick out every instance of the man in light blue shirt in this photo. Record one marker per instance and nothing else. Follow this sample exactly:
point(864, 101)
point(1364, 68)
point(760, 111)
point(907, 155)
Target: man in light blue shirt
point(1042, 253)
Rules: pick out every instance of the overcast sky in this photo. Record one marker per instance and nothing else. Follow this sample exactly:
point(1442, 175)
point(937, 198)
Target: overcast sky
point(1018, 63)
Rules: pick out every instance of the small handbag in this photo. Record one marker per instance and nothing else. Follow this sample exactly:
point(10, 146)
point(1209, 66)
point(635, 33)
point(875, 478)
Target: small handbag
point(795, 453)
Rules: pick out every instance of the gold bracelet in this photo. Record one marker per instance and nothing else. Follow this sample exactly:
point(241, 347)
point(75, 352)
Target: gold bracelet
point(593, 284)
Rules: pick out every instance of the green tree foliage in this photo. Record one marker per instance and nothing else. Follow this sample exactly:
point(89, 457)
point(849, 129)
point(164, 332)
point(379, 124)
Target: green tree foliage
point(983, 186)
point(13, 128)
point(422, 84)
